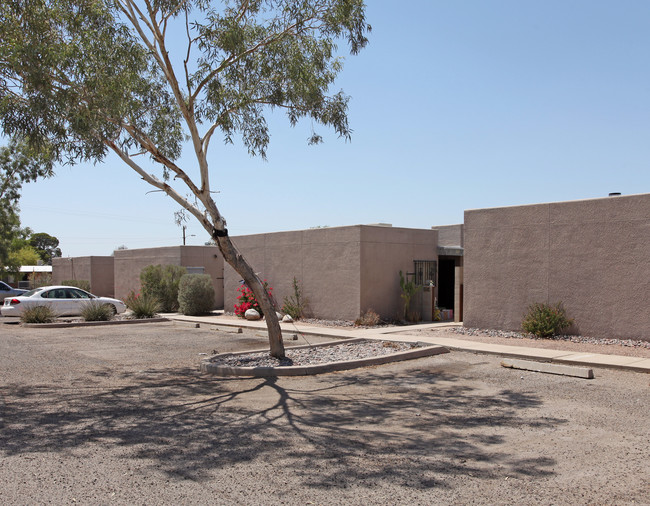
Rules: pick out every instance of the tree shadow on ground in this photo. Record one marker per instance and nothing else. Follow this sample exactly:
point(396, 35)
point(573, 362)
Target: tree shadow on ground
point(414, 426)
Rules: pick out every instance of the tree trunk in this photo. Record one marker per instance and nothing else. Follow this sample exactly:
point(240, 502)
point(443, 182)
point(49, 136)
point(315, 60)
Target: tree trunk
point(237, 262)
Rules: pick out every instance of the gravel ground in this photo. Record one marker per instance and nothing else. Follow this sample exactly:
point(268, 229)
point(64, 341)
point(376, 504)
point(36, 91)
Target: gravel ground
point(121, 415)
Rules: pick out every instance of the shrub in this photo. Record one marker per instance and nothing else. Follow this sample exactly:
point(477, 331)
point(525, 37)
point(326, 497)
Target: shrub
point(38, 314)
point(294, 305)
point(545, 320)
point(248, 301)
point(143, 306)
point(369, 319)
point(94, 311)
point(79, 283)
point(161, 282)
point(195, 294)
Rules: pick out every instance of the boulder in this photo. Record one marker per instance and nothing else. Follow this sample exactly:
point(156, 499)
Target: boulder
point(252, 314)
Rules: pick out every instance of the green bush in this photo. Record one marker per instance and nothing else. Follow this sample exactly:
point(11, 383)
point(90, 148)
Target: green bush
point(545, 320)
point(38, 314)
point(94, 311)
point(79, 283)
point(294, 305)
point(143, 306)
point(161, 282)
point(195, 294)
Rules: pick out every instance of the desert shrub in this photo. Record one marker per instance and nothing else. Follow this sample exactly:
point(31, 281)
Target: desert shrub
point(38, 314)
point(368, 319)
point(143, 306)
point(248, 301)
point(545, 320)
point(161, 282)
point(94, 311)
point(294, 305)
point(195, 294)
point(79, 283)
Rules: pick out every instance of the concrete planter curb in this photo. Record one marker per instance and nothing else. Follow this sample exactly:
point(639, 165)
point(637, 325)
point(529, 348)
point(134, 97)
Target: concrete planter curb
point(426, 350)
point(93, 324)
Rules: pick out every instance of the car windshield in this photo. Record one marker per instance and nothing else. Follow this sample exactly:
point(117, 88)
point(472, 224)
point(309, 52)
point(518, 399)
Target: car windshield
point(32, 292)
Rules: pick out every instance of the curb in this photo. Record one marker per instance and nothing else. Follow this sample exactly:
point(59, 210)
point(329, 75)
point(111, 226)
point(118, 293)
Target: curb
point(426, 350)
point(549, 368)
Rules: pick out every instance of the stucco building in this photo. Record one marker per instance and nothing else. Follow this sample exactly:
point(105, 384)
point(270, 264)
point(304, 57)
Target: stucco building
point(591, 255)
point(343, 271)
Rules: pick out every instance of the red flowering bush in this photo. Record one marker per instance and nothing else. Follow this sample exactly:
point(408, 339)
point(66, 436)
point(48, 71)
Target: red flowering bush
point(248, 301)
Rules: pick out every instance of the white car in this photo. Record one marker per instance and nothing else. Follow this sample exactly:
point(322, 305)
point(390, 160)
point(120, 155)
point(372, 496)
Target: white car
point(63, 300)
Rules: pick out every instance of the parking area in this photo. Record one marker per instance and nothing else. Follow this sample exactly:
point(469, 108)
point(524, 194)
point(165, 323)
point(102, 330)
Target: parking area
point(120, 414)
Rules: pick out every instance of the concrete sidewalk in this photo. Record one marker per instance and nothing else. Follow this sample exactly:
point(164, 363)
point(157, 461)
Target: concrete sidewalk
point(638, 364)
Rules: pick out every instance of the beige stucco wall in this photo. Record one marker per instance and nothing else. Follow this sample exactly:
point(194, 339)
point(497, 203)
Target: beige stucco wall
point(593, 255)
point(324, 261)
point(450, 235)
point(129, 263)
point(98, 270)
point(343, 271)
point(384, 252)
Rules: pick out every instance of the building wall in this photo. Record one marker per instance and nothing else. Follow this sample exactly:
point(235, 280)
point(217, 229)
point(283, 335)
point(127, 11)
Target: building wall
point(343, 271)
point(130, 262)
point(324, 261)
point(450, 235)
point(593, 255)
point(384, 252)
point(97, 270)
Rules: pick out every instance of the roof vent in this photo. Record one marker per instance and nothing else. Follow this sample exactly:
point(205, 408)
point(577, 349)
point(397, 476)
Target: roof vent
point(614, 194)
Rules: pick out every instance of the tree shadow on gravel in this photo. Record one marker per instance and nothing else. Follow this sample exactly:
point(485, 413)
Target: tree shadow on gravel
point(415, 427)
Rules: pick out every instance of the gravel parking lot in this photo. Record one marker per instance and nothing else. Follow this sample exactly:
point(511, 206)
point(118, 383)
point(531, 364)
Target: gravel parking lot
point(121, 415)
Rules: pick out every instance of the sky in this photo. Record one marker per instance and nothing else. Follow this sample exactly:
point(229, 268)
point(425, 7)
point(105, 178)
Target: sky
point(455, 105)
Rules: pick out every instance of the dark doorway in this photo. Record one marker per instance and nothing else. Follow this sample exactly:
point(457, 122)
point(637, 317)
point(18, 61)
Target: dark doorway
point(446, 282)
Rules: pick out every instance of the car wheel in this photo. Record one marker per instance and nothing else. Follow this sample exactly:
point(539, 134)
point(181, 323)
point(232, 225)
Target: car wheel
point(113, 309)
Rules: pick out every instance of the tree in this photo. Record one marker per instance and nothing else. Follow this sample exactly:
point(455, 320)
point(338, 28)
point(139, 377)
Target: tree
point(81, 78)
point(46, 246)
point(18, 164)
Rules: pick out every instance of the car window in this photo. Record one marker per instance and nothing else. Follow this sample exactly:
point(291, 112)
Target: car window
point(58, 293)
point(4, 288)
point(32, 292)
point(73, 293)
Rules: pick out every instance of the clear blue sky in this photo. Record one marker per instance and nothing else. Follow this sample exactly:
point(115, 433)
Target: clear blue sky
point(455, 105)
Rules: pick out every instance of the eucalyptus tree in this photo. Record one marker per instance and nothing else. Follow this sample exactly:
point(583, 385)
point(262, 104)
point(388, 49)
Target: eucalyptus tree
point(146, 79)
point(18, 165)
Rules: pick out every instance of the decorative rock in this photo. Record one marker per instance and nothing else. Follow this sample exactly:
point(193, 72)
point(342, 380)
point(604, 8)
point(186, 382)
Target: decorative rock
point(287, 319)
point(279, 315)
point(252, 314)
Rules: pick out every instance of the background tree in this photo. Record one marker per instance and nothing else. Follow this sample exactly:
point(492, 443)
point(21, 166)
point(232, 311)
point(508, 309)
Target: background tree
point(18, 164)
point(46, 246)
point(150, 77)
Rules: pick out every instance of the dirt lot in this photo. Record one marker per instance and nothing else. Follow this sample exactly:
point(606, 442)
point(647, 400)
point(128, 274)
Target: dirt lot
point(120, 415)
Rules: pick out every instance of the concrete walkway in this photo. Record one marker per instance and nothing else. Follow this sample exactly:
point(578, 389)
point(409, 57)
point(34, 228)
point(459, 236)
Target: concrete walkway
point(638, 364)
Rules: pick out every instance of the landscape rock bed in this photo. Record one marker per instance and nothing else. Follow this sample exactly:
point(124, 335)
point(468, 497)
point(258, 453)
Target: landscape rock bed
point(633, 343)
point(315, 355)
